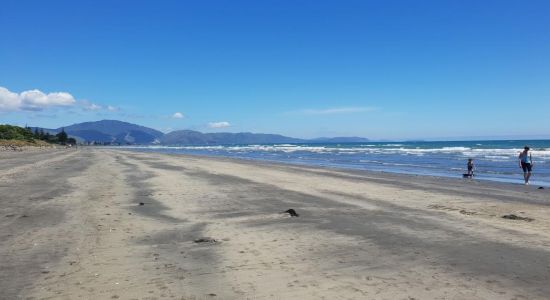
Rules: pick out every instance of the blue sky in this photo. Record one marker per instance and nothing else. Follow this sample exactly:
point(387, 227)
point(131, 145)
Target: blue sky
point(378, 69)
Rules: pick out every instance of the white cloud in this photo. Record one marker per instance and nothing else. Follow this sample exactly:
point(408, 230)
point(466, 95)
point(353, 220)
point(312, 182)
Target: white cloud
point(222, 124)
point(333, 111)
point(8, 100)
point(177, 115)
point(33, 100)
point(36, 100)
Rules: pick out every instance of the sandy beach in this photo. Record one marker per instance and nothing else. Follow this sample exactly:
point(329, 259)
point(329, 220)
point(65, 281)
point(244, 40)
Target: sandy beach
point(72, 227)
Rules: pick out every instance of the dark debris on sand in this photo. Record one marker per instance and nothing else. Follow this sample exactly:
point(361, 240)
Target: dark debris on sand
point(514, 217)
point(291, 212)
point(205, 240)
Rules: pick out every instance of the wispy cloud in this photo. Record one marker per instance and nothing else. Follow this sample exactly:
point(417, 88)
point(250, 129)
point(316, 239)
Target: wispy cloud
point(89, 106)
point(332, 111)
point(222, 124)
point(177, 115)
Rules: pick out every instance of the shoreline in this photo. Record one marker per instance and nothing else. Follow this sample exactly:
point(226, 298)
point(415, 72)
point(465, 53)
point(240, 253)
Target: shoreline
point(519, 182)
point(487, 176)
point(364, 235)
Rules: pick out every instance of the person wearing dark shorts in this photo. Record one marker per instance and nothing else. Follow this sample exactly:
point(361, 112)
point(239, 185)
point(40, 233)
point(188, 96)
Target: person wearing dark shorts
point(470, 166)
point(526, 163)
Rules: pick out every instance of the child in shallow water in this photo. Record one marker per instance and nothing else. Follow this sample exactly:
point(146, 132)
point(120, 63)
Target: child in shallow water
point(470, 167)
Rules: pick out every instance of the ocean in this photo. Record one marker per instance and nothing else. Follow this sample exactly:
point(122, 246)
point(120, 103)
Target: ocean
point(494, 160)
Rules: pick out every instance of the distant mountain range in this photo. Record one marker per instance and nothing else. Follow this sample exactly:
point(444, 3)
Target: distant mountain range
point(118, 132)
point(190, 137)
point(110, 131)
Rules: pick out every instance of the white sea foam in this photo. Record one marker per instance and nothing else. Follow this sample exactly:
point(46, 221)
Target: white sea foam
point(466, 152)
point(395, 164)
point(497, 158)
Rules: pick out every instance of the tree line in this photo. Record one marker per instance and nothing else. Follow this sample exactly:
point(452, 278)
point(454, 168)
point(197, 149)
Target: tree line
point(10, 132)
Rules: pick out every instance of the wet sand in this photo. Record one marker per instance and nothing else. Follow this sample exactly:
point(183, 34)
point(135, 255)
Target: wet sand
point(72, 227)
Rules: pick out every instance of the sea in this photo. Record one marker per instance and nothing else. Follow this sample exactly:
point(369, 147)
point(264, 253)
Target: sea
point(494, 160)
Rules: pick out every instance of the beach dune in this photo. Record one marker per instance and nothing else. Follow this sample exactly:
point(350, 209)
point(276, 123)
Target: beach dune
point(99, 223)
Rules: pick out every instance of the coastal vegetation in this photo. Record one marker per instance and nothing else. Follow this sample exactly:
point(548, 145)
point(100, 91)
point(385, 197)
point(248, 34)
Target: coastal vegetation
point(18, 136)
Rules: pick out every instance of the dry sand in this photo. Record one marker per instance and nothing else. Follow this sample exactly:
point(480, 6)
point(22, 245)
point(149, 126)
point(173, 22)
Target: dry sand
point(71, 227)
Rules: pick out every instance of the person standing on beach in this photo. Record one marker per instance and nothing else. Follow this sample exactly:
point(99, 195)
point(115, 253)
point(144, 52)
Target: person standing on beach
point(470, 167)
point(526, 163)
